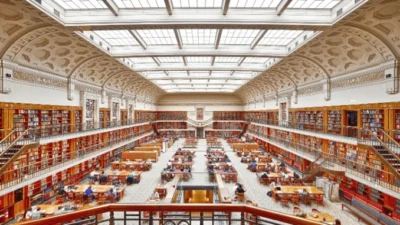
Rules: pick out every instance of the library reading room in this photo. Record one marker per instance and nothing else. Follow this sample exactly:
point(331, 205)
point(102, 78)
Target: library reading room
point(200, 112)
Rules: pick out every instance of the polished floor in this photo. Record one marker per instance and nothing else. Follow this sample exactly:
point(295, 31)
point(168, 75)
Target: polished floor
point(256, 192)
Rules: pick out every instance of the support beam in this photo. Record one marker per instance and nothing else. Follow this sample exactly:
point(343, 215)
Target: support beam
point(282, 6)
point(225, 7)
point(70, 88)
point(218, 38)
point(137, 37)
point(258, 38)
point(156, 60)
point(112, 6)
point(184, 61)
point(178, 38)
point(223, 50)
point(213, 61)
point(201, 78)
point(168, 5)
point(197, 67)
point(241, 61)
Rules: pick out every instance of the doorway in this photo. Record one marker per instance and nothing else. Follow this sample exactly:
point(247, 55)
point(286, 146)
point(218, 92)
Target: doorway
point(200, 132)
point(351, 120)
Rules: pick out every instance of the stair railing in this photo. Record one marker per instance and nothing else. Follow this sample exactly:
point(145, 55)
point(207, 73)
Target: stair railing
point(390, 142)
point(18, 140)
point(7, 140)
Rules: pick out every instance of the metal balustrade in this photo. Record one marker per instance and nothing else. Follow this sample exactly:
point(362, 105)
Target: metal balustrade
point(12, 177)
point(179, 214)
point(334, 162)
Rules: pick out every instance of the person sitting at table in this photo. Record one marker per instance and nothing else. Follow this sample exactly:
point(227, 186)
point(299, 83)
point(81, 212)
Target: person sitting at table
point(304, 194)
point(89, 192)
point(94, 175)
point(131, 178)
point(269, 158)
point(59, 211)
point(155, 195)
point(264, 175)
point(239, 189)
point(295, 177)
point(37, 214)
point(28, 213)
point(112, 196)
point(268, 168)
point(253, 166)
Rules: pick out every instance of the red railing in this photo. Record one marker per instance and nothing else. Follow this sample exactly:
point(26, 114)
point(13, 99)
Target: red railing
point(164, 213)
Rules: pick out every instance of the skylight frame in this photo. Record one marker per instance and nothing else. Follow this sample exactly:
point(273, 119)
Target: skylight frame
point(314, 4)
point(198, 36)
point(140, 4)
point(228, 59)
point(112, 37)
point(256, 60)
point(170, 59)
point(197, 4)
point(238, 36)
point(81, 5)
point(279, 37)
point(199, 59)
point(141, 60)
point(254, 4)
point(158, 37)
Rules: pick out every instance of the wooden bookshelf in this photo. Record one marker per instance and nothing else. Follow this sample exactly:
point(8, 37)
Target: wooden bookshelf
point(145, 116)
point(334, 121)
point(396, 134)
point(228, 115)
point(231, 125)
point(373, 119)
point(310, 120)
point(171, 125)
point(258, 117)
point(175, 115)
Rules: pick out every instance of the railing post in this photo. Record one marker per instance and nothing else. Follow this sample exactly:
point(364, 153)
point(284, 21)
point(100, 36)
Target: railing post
point(201, 218)
point(111, 218)
point(212, 218)
point(151, 218)
point(242, 218)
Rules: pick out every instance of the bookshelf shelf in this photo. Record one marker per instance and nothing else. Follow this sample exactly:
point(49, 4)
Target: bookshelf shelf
point(334, 121)
point(310, 120)
point(228, 116)
point(373, 120)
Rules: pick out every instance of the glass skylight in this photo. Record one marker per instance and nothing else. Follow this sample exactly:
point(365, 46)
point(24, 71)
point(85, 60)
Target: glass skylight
point(254, 3)
point(227, 59)
point(117, 37)
point(170, 59)
point(314, 4)
point(81, 4)
point(140, 3)
point(199, 59)
point(256, 60)
point(140, 60)
point(197, 3)
point(238, 36)
point(158, 36)
point(279, 37)
point(198, 36)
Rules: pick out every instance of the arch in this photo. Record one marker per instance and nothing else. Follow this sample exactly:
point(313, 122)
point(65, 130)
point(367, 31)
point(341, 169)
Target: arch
point(109, 78)
point(81, 63)
point(12, 41)
point(287, 76)
point(327, 74)
point(376, 35)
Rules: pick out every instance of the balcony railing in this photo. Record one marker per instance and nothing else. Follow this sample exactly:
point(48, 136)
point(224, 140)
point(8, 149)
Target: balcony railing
point(183, 214)
point(335, 162)
point(34, 169)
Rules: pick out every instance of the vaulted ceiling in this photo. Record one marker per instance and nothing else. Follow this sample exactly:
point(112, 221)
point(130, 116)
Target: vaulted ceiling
point(250, 48)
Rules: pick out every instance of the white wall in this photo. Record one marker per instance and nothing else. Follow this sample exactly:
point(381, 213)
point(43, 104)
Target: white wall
point(373, 93)
point(188, 102)
point(29, 93)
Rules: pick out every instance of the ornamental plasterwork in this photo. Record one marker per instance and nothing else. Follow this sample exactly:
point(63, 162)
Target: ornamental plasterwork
point(38, 80)
point(359, 80)
point(86, 88)
point(313, 89)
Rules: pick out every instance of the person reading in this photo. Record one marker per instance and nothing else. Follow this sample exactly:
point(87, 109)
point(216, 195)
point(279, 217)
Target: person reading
point(89, 192)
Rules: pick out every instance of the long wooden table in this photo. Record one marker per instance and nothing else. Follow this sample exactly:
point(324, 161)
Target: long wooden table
point(97, 189)
point(123, 165)
point(231, 174)
point(320, 218)
point(123, 174)
point(288, 190)
point(223, 192)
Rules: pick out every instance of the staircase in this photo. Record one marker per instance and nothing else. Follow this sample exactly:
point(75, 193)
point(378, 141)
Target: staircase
point(13, 146)
point(317, 170)
point(244, 130)
point(384, 148)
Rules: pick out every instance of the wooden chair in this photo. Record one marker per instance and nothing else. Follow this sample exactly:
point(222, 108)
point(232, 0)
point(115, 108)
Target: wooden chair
point(101, 200)
point(285, 201)
point(296, 199)
point(315, 210)
point(307, 200)
point(240, 197)
point(319, 199)
point(185, 176)
point(296, 210)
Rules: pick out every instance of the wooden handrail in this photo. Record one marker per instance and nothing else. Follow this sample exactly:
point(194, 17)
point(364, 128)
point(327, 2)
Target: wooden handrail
point(227, 208)
point(8, 135)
